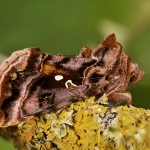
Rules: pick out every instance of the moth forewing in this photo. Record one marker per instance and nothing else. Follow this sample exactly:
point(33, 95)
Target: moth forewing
point(33, 82)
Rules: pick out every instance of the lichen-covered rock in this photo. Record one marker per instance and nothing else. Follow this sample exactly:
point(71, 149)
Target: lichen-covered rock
point(84, 125)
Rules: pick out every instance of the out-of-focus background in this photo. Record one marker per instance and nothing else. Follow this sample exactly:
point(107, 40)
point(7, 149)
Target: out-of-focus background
point(65, 26)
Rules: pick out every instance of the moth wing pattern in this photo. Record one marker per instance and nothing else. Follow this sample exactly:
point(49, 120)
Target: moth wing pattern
point(33, 82)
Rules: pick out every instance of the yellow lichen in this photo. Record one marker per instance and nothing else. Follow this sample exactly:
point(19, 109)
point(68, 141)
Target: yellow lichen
point(88, 125)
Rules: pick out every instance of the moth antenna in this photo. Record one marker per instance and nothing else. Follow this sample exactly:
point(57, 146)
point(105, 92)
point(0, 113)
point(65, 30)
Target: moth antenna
point(115, 89)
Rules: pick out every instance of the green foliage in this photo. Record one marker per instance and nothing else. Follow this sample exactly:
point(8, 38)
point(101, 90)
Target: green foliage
point(5, 145)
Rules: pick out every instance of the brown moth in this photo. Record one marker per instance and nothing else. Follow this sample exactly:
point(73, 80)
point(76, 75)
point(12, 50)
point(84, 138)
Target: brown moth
point(33, 82)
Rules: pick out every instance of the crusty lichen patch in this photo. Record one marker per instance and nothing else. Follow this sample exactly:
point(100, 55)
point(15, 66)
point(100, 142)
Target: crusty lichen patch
point(86, 125)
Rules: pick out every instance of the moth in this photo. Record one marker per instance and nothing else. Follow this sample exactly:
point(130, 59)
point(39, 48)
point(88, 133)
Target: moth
point(33, 82)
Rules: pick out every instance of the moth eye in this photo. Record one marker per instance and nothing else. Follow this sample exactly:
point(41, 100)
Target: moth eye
point(58, 77)
point(69, 84)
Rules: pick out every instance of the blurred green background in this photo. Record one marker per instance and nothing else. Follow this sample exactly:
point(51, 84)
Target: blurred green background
point(65, 26)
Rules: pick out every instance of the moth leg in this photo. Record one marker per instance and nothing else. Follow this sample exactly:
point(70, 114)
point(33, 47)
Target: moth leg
point(121, 97)
point(60, 110)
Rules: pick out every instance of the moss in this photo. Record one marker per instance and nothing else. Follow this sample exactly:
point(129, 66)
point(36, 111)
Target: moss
point(85, 125)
